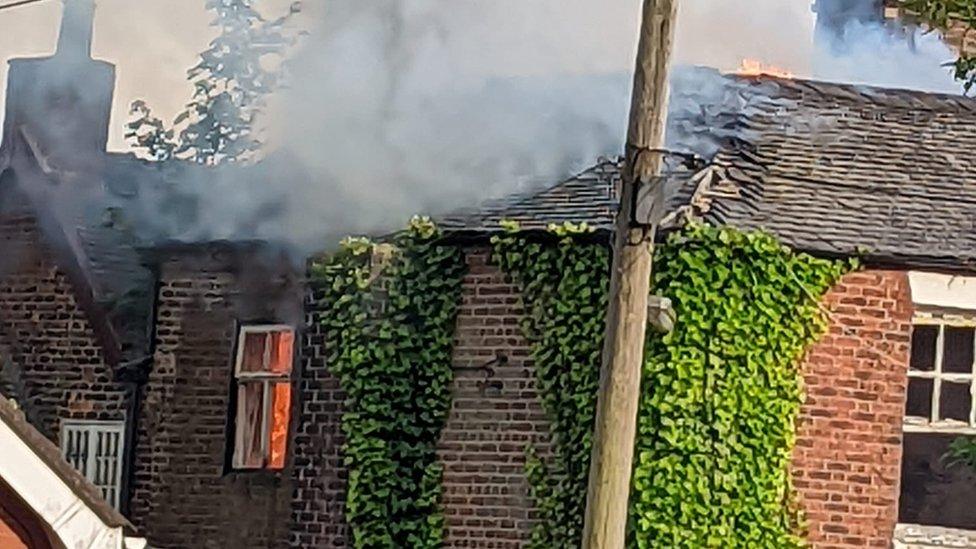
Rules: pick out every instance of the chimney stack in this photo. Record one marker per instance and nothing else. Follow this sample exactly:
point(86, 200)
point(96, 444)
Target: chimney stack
point(61, 105)
point(77, 27)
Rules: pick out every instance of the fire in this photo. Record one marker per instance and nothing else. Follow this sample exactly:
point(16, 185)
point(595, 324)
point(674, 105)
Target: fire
point(755, 67)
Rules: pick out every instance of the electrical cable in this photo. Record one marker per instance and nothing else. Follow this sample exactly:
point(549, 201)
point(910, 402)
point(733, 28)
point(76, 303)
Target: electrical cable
point(18, 3)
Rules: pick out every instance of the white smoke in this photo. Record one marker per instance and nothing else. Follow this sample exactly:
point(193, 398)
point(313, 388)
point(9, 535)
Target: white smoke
point(880, 55)
point(398, 107)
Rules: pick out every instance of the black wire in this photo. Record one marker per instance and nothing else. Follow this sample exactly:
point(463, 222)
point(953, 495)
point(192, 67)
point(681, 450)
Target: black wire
point(18, 3)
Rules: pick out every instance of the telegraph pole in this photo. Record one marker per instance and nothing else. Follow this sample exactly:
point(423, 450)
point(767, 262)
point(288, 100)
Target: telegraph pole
point(623, 351)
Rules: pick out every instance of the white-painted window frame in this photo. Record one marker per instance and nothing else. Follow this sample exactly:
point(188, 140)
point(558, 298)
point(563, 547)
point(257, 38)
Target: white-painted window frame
point(267, 380)
point(105, 474)
point(932, 424)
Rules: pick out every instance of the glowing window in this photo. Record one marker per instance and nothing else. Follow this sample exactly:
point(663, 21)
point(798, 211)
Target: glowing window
point(263, 372)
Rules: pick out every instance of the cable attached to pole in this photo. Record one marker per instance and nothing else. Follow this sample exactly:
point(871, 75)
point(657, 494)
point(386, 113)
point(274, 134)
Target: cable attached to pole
point(18, 3)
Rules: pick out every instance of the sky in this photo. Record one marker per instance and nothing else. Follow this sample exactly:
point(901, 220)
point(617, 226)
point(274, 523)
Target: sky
point(153, 42)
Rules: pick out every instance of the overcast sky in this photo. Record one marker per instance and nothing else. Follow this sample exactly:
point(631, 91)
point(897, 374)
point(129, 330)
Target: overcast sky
point(153, 42)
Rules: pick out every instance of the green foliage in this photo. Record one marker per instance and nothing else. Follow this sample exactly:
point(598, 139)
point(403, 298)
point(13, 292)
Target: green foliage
point(962, 451)
point(949, 14)
point(231, 81)
point(722, 391)
point(564, 287)
point(390, 329)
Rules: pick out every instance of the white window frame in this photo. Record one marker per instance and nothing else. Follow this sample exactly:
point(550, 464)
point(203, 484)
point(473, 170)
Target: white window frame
point(93, 469)
point(932, 424)
point(267, 379)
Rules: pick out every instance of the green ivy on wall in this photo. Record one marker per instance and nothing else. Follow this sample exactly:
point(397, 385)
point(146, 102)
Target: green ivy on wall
point(390, 326)
point(564, 287)
point(721, 393)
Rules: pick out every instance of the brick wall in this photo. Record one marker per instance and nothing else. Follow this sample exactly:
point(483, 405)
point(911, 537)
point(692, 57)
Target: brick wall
point(319, 477)
point(492, 419)
point(183, 496)
point(50, 360)
point(847, 461)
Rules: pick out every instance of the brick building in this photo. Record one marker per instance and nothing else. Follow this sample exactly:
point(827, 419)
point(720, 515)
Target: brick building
point(189, 382)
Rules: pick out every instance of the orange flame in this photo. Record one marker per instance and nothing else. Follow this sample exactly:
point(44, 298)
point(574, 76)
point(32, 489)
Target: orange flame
point(755, 67)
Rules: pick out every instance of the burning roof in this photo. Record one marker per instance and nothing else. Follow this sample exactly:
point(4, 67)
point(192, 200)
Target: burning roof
point(829, 168)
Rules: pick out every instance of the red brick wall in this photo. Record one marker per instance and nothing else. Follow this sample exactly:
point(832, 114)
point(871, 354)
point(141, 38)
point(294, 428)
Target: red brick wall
point(483, 446)
point(50, 359)
point(847, 461)
point(183, 493)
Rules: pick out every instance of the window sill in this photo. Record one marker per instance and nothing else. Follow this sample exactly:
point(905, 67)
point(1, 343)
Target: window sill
point(946, 427)
point(916, 536)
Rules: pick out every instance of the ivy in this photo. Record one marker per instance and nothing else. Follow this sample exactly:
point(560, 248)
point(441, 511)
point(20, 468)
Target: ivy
point(564, 288)
point(721, 392)
point(389, 312)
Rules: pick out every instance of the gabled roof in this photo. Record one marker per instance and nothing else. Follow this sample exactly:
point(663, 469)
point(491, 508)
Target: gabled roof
point(95, 251)
point(834, 169)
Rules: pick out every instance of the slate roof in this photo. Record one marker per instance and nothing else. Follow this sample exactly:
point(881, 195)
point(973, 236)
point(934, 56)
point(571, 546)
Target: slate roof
point(833, 169)
point(95, 249)
point(589, 196)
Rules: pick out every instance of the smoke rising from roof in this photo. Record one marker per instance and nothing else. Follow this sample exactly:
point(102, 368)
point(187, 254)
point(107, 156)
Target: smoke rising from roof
point(398, 107)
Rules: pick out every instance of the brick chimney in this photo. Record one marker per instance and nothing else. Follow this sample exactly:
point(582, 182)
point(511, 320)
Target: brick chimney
point(834, 16)
point(62, 104)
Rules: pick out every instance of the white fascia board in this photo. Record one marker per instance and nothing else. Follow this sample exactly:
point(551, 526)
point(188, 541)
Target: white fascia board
point(51, 498)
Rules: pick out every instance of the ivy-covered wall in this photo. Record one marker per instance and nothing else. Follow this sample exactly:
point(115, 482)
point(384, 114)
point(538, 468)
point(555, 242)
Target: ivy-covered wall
point(390, 311)
point(721, 392)
point(720, 396)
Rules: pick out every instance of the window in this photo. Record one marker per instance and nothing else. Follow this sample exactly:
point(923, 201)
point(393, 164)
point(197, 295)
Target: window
point(263, 373)
point(939, 408)
point(95, 449)
point(942, 379)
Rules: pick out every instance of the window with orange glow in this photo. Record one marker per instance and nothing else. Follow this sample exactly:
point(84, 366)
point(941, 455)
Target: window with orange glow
point(263, 371)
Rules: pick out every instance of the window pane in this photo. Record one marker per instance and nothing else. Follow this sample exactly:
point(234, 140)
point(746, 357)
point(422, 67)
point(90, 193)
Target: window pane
point(954, 401)
point(254, 347)
point(958, 353)
point(919, 398)
point(923, 347)
point(933, 492)
point(282, 347)
point(281, 410)
point(250, 423)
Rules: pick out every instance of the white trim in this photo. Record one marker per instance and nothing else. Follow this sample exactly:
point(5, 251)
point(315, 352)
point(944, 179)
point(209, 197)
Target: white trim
point(942, 291)
point(937, 383)
point(919, 536)
point(43, 490)
point(257, 329)
point(267, 379)
point(935, 423)
point(92, 468)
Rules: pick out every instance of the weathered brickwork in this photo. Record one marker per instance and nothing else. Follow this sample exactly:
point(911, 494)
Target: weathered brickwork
point(847, 461)
point(50, 360)
point(493, 418)
point(184, 495)
point(320, 477)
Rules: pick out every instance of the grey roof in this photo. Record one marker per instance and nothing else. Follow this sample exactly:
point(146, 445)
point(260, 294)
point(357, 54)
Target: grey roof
point(589, 196)
point(835, 169)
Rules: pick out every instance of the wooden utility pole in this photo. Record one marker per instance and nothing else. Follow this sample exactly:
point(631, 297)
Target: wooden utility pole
point(623, 352)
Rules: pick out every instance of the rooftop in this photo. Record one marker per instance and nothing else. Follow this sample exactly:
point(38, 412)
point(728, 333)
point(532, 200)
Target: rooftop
point(828, 168)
